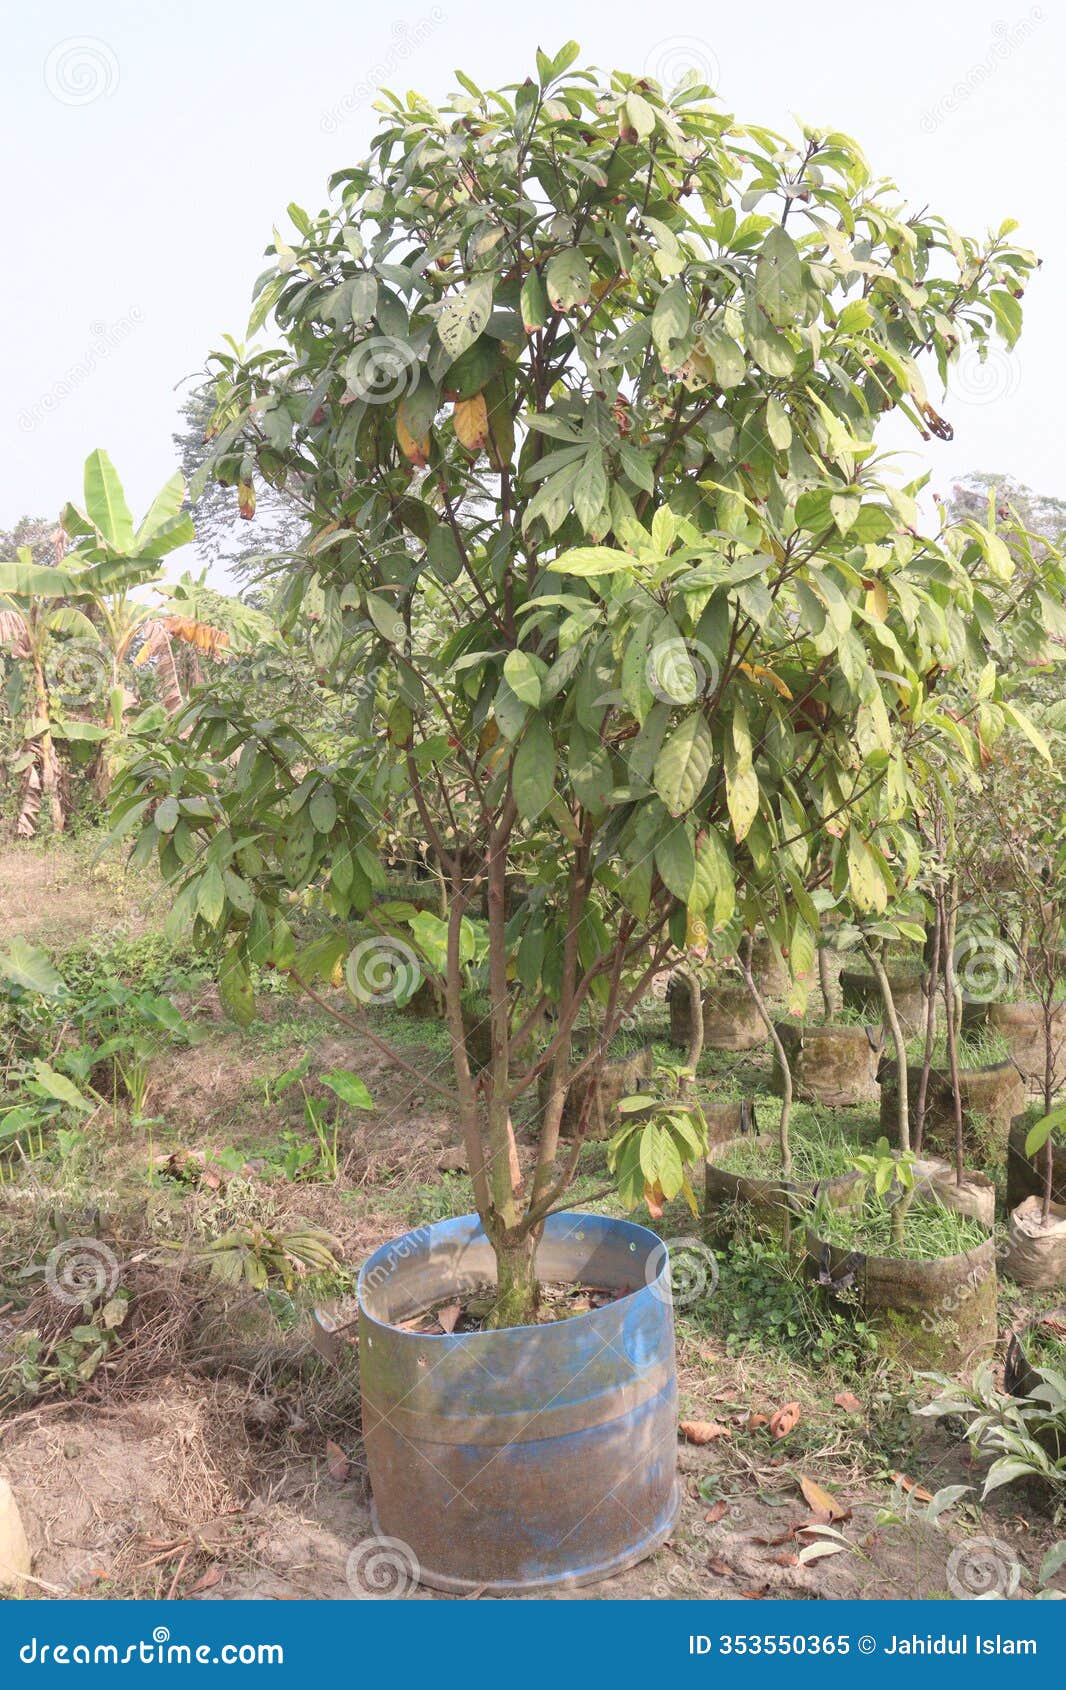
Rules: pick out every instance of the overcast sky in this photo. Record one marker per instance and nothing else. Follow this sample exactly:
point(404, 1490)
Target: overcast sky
point(153, 145)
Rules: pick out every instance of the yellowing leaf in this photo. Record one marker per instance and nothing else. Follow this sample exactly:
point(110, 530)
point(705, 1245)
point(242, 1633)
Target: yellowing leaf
point(471, 419)
point(759, 672)
point(415, 451)
point(877, 601)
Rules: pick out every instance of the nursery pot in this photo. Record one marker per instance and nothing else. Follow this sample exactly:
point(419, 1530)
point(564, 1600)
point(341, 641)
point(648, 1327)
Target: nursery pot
point(1036, 1254)
point(1021, 1025)
point(731, 1020)
point(1025, 1174)
point(836, 1066)
point(772, 1201)
point(769, 971)
point(937, 1313)
point(538, 1456)
point(991, 1097)
point(861, 991)
point(616, 1079)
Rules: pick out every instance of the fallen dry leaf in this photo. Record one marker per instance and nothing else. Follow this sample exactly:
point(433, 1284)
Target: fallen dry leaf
point(756, 1595)
point(446, 1318)
point(822, 1502)
point(337, 1464)
point(721, 1569)
point(718, 1512)
point(848, 1401)
point(919, 1492)
point(754, 1421)
point(703, 1431)
point(775, 1542)
point(784, 1419)
point(785, 1558)
point(210, 1578)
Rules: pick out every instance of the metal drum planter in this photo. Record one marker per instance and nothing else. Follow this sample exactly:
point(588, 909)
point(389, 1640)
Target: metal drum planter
point(532, 1457)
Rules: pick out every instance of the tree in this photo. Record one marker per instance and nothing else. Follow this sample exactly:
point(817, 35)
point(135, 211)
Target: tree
point(579, 386)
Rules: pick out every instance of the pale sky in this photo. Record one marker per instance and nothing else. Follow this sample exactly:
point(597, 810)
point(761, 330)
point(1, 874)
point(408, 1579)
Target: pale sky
point(151, 146)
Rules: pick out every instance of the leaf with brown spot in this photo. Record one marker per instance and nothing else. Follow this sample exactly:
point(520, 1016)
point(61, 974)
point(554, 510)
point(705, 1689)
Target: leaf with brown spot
point(821, 1501)
point(337, 1464)
point(718, 1512)
point(848, 1401)
point(471, 419)
point(703, 1431)
point(784, 1419)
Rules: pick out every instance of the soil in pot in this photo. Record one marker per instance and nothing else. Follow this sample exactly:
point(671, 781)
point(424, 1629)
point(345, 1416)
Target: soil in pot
point(1021, 1027)
point(731, 1020)
point(1025, 1174)
point(728, 1118)
point(1036, 1253)
point(974, 1195)
point(931, 1299)
point(991, 1097)
point(861, 992)
point(531, 1458)
point(836, 1066)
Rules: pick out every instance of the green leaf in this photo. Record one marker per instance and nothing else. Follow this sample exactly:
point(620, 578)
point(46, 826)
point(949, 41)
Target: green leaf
point(25, 965)
point(587, 561)
point(1038, 1135)
point(163, 509)
point(523, 677)
point(533, 770)
point(684, 763)
point(385, 617)
point(865, 880)
point(59, 1087)
point(211, 895)
point(349, 1088)
point(670, 324)
point(105, 502)
point(533, 304)
point(235, 986)
point(323, 809)
point(675, 860)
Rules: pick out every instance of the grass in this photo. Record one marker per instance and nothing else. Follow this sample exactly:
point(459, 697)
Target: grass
point(821, 1146)
point(930, 1230)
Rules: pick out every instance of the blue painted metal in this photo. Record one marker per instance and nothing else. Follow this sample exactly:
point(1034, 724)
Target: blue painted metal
point(532, 1457)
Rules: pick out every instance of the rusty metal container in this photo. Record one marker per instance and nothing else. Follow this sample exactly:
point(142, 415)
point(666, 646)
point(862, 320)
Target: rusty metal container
point(535, 1457)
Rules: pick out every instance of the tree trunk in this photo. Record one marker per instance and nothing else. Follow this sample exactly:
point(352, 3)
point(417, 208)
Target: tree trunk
point(517, 1288)
point(824, 982)
point(784, 1145)
point(930, 1024)
point(695, 1037)
point(899, 1043)
point(951, 1005)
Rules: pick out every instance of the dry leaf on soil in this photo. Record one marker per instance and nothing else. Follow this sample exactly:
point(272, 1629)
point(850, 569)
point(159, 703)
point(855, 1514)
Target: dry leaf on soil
point(919, 1492)
point(848, 1401)
point(822, 1502)
point(703, 1431)
point(784, 1419)
point(718, 1512)
point(337, 1464)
